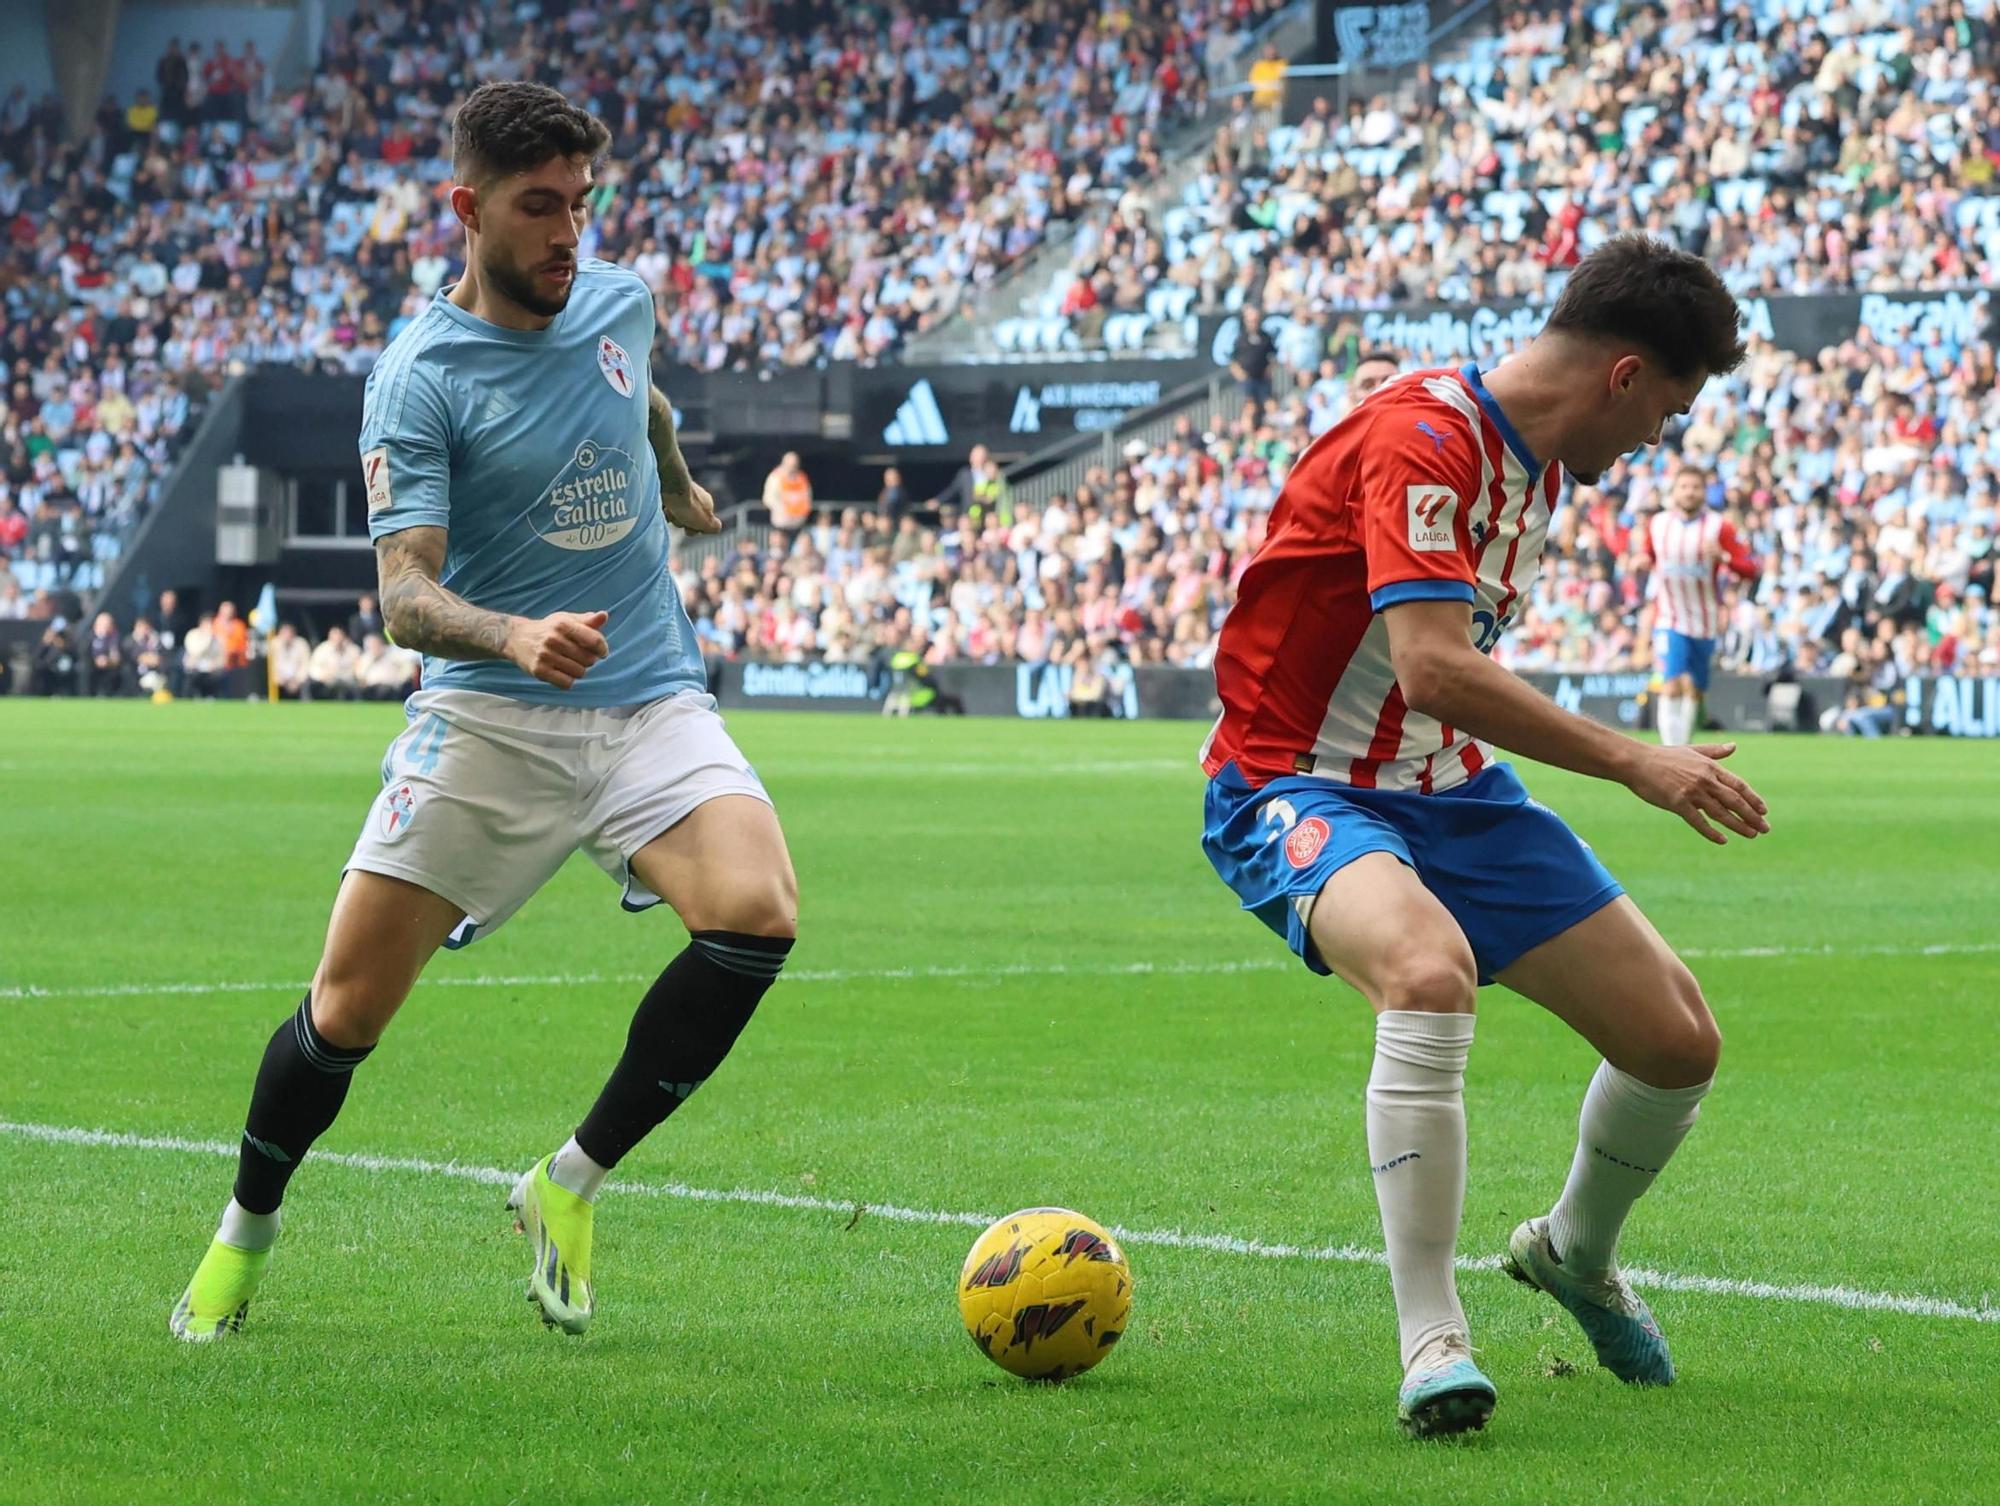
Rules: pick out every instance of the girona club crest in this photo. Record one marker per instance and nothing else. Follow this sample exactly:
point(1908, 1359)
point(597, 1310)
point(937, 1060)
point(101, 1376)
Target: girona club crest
point(1305, 841)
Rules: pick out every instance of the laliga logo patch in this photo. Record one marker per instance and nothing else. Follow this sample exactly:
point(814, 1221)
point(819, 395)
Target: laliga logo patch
point(1305, 841)
point(1431, 511)
point(616, 366)
point(375, 476)
point(397, 810)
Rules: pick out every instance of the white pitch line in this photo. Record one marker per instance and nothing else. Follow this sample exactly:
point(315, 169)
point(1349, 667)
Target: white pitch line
point(959, 972)
point(1221, 1244)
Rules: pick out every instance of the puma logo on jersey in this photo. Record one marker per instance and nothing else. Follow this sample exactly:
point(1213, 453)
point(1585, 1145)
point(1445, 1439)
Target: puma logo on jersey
point(1435, 437)
point(1431, 512)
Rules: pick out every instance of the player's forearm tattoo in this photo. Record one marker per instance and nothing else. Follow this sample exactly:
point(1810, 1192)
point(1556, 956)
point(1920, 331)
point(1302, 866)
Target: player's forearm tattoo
point(423, 615)
point(666, 448)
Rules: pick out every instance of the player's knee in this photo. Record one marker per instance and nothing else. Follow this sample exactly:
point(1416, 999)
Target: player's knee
point(1688, 1047)
point(1443, 982)
point(349, 1009)
point(778, 908)
point(767, 906)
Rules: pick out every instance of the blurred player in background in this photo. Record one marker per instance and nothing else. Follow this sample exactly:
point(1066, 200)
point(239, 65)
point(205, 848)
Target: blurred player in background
point(520, 472)
point(1684, 546)
point(1356, 806)
point(1370, 372)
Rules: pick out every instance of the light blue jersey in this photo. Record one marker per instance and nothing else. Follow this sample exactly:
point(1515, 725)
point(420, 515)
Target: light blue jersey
point(529, 448)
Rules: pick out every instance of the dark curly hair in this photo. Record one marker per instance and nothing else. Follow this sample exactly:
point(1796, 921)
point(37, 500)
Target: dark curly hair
point(1668, 301)
point(508, 128)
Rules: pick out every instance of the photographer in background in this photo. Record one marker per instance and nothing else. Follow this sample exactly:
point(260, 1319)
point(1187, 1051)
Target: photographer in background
point(55, 661)
point(105, 669)
point(150, 661)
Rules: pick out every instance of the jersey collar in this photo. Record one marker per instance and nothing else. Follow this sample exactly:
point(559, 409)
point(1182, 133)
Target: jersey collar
point(1470, 373)
point(441, 301)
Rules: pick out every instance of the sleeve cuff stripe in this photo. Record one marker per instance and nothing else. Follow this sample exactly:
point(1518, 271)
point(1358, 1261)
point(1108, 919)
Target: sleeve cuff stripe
point(1420, 590)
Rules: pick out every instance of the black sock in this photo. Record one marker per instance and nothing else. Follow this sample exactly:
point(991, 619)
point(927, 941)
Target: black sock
point(684, 1027)
point(300, 1088)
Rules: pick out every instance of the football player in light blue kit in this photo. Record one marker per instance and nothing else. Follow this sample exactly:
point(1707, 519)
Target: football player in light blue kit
point(520, 472)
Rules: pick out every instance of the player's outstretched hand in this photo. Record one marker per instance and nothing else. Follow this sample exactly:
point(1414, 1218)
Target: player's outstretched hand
point(559, 648)
point(1692, 783)
point(693, 509)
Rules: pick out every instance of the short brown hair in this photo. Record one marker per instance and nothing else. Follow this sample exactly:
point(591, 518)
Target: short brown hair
point(505, 128)
point(1634, 288)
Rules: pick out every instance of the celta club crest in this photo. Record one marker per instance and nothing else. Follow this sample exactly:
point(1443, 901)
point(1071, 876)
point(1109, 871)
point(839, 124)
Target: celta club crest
point(616, 366)
point(397, 810)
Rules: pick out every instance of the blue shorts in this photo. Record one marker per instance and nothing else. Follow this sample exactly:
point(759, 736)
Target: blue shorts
point(1510, 872)
point(1677, 655)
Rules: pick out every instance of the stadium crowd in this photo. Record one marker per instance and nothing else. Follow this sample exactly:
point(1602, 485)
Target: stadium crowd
point(1866, 483)
point(1801, 147)
point(797, 183)
point(812, 183)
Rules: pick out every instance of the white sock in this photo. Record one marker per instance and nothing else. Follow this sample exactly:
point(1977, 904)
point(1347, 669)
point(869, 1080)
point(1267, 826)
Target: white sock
point(573, 1169)
point(1626, 1133)
point(1677, 720)
point(1416, 1145)
point(246, 1230)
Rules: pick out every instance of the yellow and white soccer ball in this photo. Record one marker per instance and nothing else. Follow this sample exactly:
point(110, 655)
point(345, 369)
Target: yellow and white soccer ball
point(1045, 1293)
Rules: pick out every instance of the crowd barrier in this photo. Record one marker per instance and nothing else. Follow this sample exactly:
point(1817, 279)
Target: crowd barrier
point(1941, 706)
point(1944, 706)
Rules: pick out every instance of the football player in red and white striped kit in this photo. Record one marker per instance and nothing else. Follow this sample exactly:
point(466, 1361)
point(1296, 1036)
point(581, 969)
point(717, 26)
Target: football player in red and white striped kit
point(1357, 806)
point(1683, 548)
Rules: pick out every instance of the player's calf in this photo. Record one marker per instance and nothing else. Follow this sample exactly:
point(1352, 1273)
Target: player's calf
point(683, 1029)
point(382, 932)
point(1630, 1126)
point(301, 1084)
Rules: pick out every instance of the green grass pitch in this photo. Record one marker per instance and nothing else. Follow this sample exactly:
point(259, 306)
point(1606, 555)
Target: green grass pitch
point(967, 1030)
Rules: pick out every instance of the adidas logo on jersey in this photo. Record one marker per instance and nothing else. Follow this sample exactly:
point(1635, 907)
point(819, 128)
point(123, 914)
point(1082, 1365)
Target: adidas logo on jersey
point(1432, 509)
point(919, 421)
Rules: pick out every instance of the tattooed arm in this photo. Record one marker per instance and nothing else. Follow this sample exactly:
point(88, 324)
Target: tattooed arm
point(686, 501)
point(421, 614)
point(666, 448)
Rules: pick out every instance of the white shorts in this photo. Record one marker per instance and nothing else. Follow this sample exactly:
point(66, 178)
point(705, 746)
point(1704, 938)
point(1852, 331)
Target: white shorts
point(484, 797)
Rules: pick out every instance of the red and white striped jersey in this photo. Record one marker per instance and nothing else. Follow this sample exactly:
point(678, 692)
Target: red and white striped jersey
point(1423, 492)
point(1686, 553)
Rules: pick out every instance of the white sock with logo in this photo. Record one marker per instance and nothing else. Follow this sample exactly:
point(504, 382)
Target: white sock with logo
point(246, 1230)
point(1416, 1146)
point(571, 1168)
point(1625, 1134)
